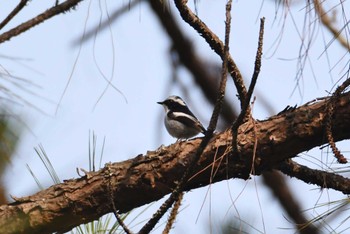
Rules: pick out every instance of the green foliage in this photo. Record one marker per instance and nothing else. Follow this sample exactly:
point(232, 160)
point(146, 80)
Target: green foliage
point(8, 141)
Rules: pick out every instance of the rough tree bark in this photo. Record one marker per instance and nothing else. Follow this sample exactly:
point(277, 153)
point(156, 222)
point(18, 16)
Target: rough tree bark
point(64, 206)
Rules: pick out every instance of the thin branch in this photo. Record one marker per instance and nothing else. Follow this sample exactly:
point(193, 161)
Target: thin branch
point(53, 11)
point(329, 114)
point(201, 74)
point(215, 43)
point(257, 66)
point(13, 13)
point(245, 106)
point(323, 179)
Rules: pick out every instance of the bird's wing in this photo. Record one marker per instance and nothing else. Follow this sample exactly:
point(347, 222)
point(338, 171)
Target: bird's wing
point(187, 119)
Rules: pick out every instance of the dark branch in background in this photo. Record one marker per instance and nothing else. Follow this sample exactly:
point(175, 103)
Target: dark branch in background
point(13, 13)
point(215, 43)
point(280, 190)
point(327, 22)
point(209, 133)
point(53, 11)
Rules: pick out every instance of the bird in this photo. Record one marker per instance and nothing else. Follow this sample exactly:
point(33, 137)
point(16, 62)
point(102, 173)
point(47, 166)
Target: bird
point(179, 121)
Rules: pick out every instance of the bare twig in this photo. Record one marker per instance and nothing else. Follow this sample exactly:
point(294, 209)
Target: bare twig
point(245, 107)
point(53, 11)
point(245, 103)
point(13, 13)
point(215, 43)
point(220, 98)
point(257, 65)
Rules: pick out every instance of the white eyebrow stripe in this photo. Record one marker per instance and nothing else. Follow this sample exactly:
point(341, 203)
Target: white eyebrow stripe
point(181, 102)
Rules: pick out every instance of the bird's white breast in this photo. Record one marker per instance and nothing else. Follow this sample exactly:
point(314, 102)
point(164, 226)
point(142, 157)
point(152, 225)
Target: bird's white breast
point(178, 129)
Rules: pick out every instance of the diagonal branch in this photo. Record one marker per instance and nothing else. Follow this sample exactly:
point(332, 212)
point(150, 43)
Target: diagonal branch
point(53, 11)
point(13, 13)
point(279, 187)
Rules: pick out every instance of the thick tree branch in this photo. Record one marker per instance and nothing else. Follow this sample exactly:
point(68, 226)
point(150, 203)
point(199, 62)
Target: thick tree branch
point(64, 206)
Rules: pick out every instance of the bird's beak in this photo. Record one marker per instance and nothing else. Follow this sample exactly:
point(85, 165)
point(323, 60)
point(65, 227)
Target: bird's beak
point(161, 103)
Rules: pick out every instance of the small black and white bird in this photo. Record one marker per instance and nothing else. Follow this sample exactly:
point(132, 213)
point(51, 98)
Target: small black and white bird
point(179, 120)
